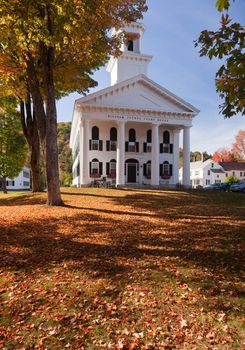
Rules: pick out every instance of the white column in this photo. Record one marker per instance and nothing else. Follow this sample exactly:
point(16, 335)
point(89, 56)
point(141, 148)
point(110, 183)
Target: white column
point(186, 157)
point(120, 175)
point(84, 150)
point(176, 156)
point(155, 155)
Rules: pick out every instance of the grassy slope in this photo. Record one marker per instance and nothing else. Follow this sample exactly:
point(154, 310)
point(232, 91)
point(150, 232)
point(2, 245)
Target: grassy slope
point(122, 270)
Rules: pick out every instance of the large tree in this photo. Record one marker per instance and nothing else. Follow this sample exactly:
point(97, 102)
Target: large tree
point(227, 44)
point(13, 149)
point(58, 44)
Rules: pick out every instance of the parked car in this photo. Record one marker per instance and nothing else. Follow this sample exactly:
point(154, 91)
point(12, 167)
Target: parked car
point(218, 186)
point(238, 187)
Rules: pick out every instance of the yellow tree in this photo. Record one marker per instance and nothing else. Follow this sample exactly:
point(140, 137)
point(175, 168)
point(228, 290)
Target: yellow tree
point(58, 43)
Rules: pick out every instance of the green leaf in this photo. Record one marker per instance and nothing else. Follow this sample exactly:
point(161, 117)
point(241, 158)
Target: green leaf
point(222, 5)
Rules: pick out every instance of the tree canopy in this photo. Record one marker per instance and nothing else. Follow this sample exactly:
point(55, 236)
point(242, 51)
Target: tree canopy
point(52, 47)
point(227, 44)
point(13, 148)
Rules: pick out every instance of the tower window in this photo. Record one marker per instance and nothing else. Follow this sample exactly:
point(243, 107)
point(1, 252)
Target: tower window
point(130, 45)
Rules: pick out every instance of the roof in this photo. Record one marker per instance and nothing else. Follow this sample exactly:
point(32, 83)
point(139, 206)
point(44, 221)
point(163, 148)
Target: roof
point(217, 171)
point(229, 166)
point(199, 164)
point(141, 78)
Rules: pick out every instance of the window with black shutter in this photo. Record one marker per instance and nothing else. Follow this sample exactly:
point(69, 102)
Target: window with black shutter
point(100, 145)
point(171, 170)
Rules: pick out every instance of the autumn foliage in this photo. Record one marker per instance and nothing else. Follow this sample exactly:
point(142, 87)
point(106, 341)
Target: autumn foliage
point(119, 269)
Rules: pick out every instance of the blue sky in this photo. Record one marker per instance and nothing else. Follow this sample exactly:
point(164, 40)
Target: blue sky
point(172, 26)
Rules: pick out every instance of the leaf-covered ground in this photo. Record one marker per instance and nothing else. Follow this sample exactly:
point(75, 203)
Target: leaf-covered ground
point(122, 269)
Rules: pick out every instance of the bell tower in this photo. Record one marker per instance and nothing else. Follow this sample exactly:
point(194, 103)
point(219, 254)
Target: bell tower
point(131, 62)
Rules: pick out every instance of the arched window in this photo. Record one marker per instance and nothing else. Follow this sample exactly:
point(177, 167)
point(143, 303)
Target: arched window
point(166, 168)
point(113, 134)
point(148, 136)
point(166, 137)
point(132, 135)
point(95, 133)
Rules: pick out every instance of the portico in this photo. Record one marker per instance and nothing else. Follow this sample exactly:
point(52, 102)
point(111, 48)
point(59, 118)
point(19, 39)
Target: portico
point(129, 133)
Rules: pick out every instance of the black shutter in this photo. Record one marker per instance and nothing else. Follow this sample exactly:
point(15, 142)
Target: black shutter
point(171, 148)
point(100, 145)
point(100, 168)
point(107, 168)
point(108, 145)
point(171, 169)
point(137, 146)
point(144, 147)
point(144, 169)
point(161, 147)
point(126, 146)
point(90, 168)
point(90, 145)
point(161, 169)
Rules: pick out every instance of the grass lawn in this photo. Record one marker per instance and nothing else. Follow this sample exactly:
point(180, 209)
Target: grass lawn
point(122, 269)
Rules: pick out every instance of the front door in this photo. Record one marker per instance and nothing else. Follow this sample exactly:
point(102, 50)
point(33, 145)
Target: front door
point(132, 168)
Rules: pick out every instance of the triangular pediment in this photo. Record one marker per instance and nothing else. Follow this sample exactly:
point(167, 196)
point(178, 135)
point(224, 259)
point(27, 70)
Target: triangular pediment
point(138, 93)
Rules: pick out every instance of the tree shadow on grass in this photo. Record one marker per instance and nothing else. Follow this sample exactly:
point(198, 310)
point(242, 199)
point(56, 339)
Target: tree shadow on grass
point(141, 232)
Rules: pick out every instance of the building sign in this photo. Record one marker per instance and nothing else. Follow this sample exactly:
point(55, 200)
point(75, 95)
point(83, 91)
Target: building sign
point(138, 119)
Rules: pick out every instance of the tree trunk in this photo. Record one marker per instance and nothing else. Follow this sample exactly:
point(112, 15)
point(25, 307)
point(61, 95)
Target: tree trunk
point(4, 185)
point(35, 168)
point(37, 100)
point(52, 164)
point(29, 126)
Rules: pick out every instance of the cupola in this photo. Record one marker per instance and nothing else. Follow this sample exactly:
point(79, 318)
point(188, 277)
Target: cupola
point(132, 61)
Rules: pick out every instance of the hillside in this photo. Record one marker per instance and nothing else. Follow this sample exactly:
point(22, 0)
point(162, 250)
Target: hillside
point(65, 155)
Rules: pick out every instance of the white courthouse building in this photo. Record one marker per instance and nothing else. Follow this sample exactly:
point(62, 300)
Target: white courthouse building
point(129, 132)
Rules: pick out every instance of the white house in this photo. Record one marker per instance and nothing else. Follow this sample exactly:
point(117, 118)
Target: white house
point(234, 169)
point(210, 172)
point(21, 182)
point(129, 132)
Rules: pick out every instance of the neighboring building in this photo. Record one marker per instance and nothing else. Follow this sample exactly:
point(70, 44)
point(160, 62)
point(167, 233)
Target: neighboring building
point(234, 169)
point(21, 182)
point(210, 172)
point(129, 132)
